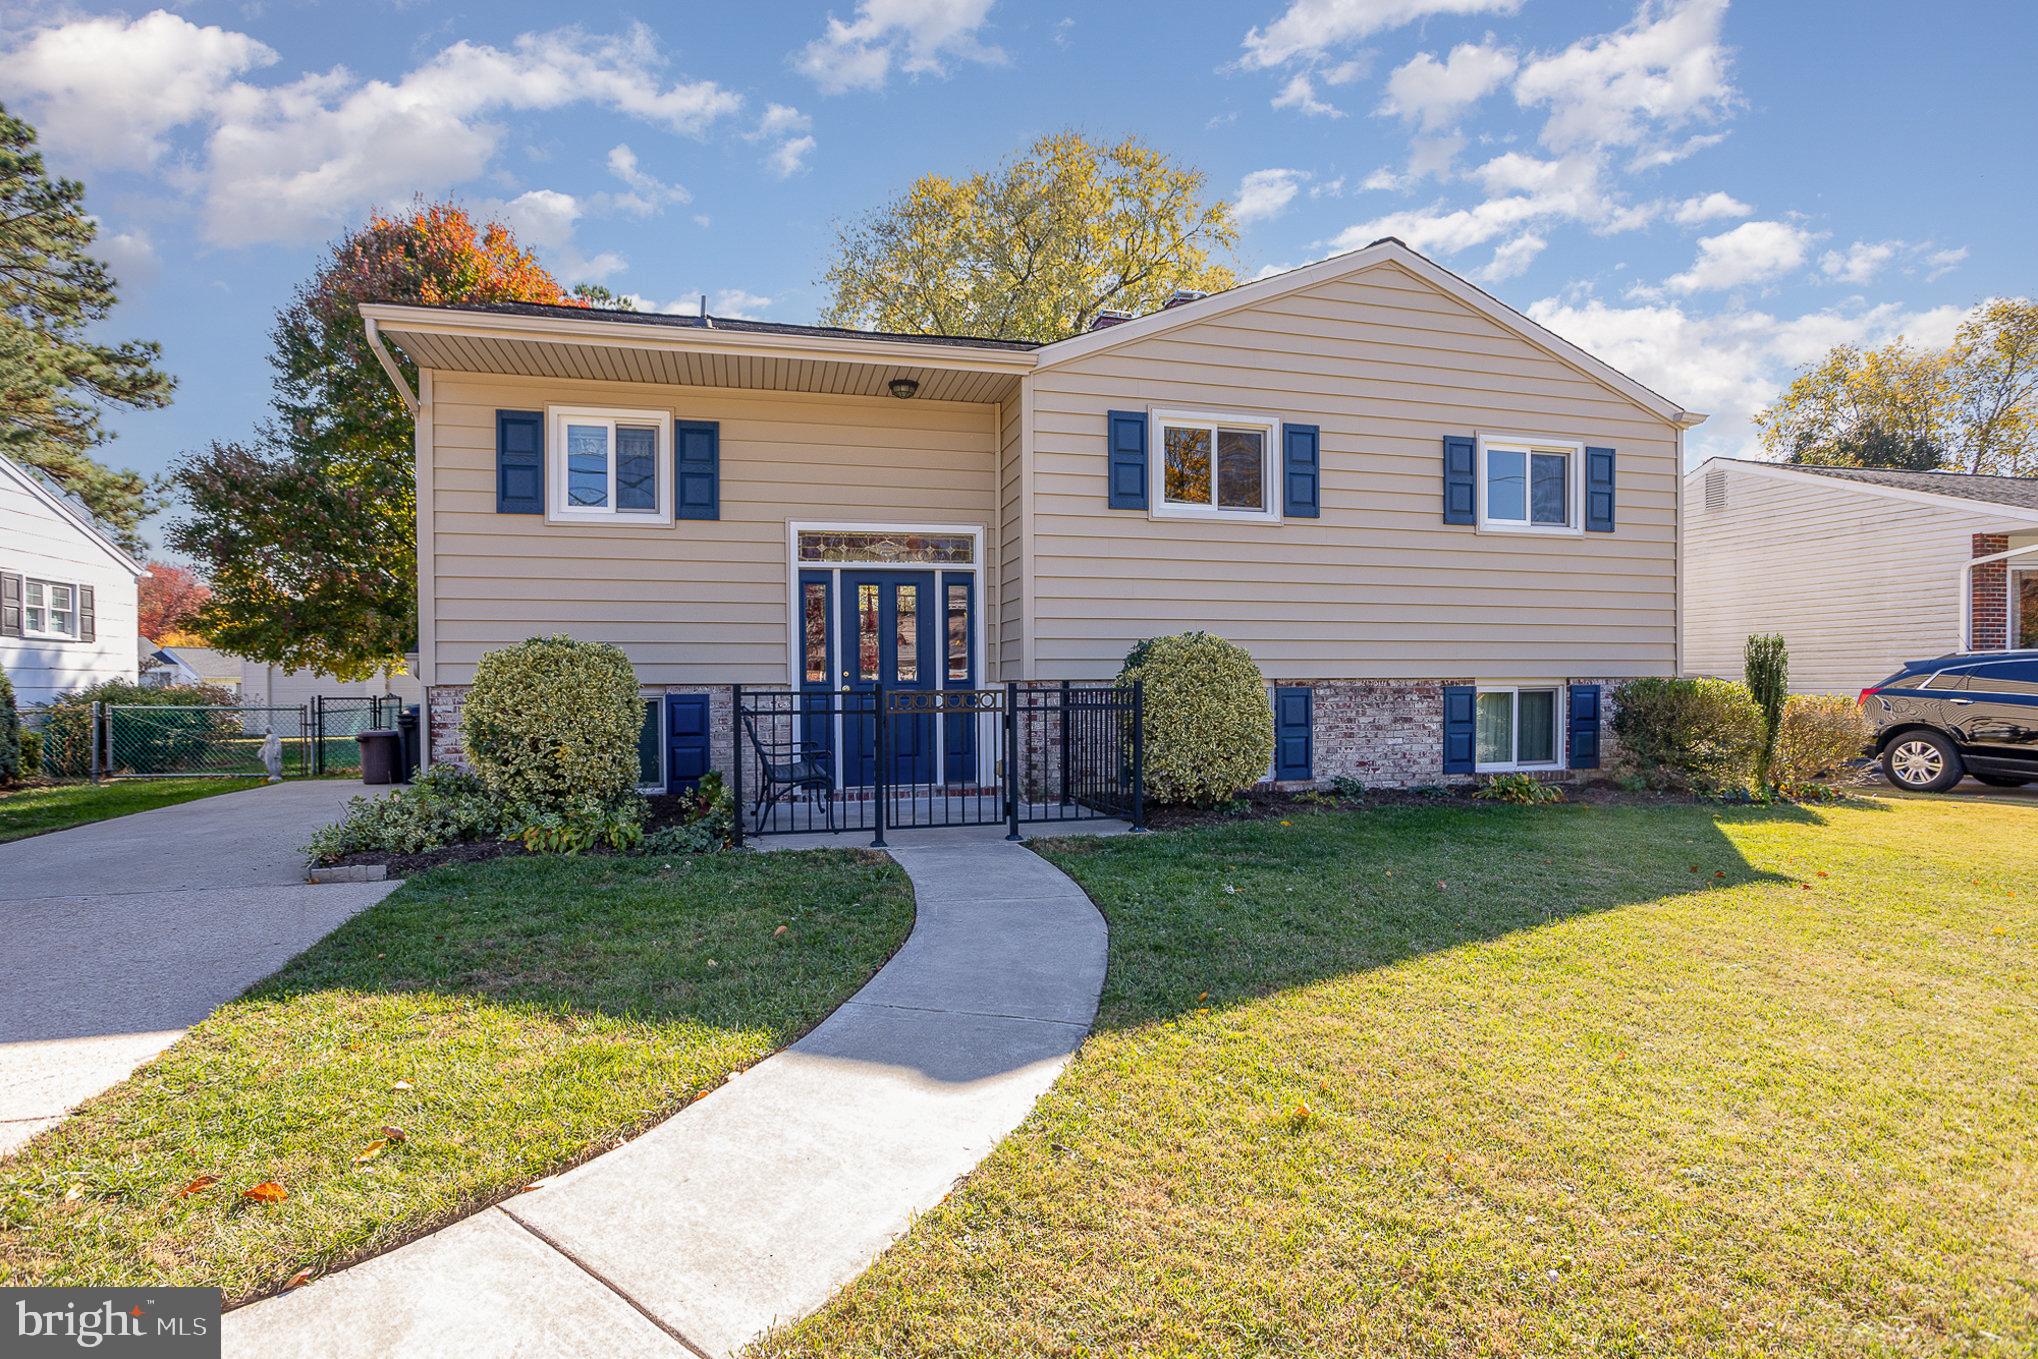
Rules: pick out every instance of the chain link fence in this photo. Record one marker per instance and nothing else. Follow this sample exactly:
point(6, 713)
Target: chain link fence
point(78, 741)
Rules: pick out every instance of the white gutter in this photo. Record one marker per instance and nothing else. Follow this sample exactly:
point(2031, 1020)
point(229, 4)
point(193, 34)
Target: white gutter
point(1967, 593)
point(389, 366)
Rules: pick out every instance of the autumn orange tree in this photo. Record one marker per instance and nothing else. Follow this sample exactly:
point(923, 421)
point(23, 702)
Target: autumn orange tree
point(307, 531)
point(167, 599)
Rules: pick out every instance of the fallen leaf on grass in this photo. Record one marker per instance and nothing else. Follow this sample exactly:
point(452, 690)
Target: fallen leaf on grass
point(198, 1186)
point(74, 1193)
point(777, 932)
point(268, 1191)
point(394, 1133)
point(299, 1279)
point(1300, 1114)
point(371, 1151)
point(400, 1085)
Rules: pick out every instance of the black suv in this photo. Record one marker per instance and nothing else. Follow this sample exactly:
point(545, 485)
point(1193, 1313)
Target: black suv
point(1974, 714)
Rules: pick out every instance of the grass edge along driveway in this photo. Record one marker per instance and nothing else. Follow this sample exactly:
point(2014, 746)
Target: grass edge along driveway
point(481, 1027)
point(1571, 1080)
point(37, 809)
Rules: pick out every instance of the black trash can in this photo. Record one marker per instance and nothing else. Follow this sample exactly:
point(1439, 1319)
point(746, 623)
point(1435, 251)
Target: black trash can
point(408, 722)
point(381, 751)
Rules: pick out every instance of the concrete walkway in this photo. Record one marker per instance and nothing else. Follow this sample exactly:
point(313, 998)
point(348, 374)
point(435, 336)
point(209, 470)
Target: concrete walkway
point(755, 1204)
point(121, 934)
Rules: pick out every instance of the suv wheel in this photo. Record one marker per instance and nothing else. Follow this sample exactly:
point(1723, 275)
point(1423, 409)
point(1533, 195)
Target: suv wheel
point(1921, 762)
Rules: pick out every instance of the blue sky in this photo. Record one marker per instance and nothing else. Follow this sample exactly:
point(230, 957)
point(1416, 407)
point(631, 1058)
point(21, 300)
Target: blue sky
point(1706, 195)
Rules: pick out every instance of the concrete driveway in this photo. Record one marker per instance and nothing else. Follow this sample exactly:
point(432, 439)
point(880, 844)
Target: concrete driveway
point(120, 935)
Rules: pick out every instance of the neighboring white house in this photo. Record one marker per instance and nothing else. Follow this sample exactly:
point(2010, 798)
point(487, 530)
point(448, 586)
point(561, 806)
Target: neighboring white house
point(67, 592)
point(1859, 569)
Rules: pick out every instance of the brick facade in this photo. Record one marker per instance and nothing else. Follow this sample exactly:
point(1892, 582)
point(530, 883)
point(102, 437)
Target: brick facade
point(1989, 598)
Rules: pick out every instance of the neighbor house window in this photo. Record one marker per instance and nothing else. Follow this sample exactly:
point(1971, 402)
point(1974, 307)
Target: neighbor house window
point(609, 465)
point(2024, 609)
point(1530, 486)
point(49, 609)
point(1516, 728)
point(1214, 465)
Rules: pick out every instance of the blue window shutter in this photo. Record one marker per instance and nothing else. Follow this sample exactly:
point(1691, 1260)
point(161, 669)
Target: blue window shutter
point(1461, 480)
point(1584, 726)
point(1599, 490)
point(697, 464)
point(688, 756)
point(1301, 478)
point(1126, 459)
point(1294, 743)
point(519, 462)
point(1459, 702)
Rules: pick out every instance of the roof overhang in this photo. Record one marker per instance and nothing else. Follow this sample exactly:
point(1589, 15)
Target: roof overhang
point(620, 351)
point(1384, 252)
point(1779, 471)
point(71, 516)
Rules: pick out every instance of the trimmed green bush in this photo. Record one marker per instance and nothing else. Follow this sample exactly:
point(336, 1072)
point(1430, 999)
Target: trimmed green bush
point(446, 805)
point(10, 732)
point(551, 724)
point(1209, 723)
point(1701, 734)
point(1817, 736)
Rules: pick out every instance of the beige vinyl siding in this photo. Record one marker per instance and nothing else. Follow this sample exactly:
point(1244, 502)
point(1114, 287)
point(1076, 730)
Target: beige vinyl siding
point(1856, 582)
point(1010, 584)
point(697, 602)
point(1379, 586)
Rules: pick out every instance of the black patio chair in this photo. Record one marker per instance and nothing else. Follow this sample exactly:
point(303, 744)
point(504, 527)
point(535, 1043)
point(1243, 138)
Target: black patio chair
point(788, 769)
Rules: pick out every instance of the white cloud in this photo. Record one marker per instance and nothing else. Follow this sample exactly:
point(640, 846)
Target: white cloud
point(1309, 28)
point(1664, 70)
point(916, 35)
point(647, 193)
point(1942, 262)
point(1730, 364)
point(288, 162)
point(1511, 258)
point(1300, 94)
point(789, 157)
point(545, 220)
point(1434, 94)
point(1708, 208)
point(109, 90)
point(1859, 262)
point(1263, 194)
point(1750, 253)
point(732, 303)
point(782, 120)
point(1522, 191)
point(129, 255)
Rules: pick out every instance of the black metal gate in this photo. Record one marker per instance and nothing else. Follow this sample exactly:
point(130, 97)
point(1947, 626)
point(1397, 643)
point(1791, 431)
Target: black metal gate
point(335, 722)
point(874, 760)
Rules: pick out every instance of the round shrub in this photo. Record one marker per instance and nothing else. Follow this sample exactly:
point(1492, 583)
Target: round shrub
point(1702, 734)
point(1209, 723)
point(1815, 738)
point(552, 723)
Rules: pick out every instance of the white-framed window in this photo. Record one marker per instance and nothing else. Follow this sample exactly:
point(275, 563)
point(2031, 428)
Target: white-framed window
point(1517, 726)
point(1531, 485)
point(1214, 466)
point(49, 609)
point(609, 466)
point(2024, 608)
point(651, 745)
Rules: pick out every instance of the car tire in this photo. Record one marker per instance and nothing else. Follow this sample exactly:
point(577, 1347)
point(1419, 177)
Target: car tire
point(1921, 762)
point(2000, 780)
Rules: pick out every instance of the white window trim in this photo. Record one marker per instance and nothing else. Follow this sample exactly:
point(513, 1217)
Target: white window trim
point(2011, 633)
point(557, 510)
point(1574, 527)
point(664, 743)
point(1561, 736)
point(45, 634)
point(1159, 506)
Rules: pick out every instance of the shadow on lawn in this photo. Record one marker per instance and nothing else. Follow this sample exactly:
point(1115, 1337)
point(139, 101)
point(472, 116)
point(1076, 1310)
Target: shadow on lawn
point(1213, 916)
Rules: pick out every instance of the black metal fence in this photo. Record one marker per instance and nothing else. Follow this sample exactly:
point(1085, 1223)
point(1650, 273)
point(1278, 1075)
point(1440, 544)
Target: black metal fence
point(335, 722)
point(881, 759)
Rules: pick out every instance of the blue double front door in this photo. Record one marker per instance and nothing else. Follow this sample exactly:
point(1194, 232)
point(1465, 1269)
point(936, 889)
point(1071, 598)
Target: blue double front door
point(909, 632)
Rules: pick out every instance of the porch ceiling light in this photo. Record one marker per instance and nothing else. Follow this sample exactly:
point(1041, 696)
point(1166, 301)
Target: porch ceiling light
point(904, 388)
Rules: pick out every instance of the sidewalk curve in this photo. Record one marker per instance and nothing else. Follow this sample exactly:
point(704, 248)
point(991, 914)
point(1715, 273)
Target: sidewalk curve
point(753, 1205)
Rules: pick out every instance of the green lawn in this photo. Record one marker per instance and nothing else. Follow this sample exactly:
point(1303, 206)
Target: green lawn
point(510, 1018)
point(1577, 1080)
point(34, 810)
